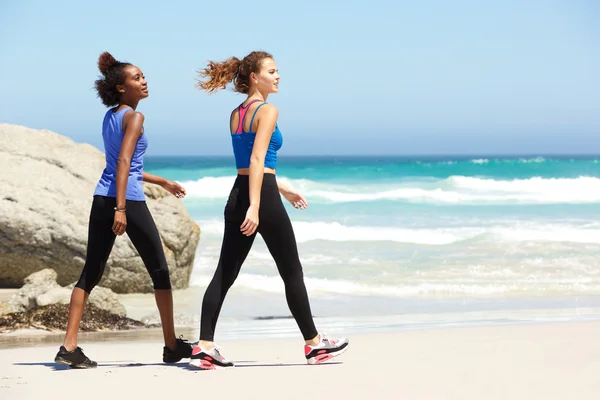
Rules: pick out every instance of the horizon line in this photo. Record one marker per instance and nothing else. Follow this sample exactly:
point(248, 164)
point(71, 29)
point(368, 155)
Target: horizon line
point(462, 155)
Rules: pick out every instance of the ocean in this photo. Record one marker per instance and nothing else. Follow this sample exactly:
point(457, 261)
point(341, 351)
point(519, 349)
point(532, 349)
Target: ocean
point(385, 236)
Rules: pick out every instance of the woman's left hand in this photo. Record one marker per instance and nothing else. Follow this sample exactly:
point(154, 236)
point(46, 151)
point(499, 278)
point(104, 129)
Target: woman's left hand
point(175, 189)
point(296, 199)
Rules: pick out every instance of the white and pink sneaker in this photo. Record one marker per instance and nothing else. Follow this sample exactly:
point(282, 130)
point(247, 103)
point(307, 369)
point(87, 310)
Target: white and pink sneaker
point(209, 359)
point(326, 349)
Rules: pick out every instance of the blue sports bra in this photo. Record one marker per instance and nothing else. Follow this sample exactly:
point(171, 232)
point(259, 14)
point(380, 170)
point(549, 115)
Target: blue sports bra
point(243, 142)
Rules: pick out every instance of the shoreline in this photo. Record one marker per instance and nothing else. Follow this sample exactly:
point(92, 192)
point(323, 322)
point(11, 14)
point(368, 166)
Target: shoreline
point(232, 329)
point(252, 315)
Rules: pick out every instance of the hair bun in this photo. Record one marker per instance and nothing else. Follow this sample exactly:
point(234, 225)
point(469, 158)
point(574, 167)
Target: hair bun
point(106, 62)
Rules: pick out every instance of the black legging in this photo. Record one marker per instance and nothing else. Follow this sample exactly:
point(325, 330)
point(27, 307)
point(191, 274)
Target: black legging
point(276, 229)
point(142, 231)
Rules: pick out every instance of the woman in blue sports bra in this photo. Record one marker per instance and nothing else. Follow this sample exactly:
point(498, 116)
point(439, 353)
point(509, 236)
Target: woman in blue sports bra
point(255, 205)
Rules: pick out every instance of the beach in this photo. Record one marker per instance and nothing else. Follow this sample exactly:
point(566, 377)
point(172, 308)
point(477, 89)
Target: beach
point(444, 218)
point(532, 361)
point(473, 278)
point(537, 353)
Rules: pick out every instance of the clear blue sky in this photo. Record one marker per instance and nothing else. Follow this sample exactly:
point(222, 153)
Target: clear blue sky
point(358, 77)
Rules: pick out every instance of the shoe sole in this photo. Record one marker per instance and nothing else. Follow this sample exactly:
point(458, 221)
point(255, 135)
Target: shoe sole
point(207, 365)
point(326, 357)
point(68, 363)
point(172, 361)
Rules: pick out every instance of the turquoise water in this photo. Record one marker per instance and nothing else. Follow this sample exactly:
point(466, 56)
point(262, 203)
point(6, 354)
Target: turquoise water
point(418, 228)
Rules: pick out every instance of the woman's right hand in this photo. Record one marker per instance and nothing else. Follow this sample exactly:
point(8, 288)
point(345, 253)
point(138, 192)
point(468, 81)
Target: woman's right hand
point(251, 222)
point(120, 223)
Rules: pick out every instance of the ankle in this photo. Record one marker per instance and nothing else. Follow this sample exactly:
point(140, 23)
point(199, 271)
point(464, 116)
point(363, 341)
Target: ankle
point(70, 346)
point(314, 341)
point(171, 344)
point(206, 345)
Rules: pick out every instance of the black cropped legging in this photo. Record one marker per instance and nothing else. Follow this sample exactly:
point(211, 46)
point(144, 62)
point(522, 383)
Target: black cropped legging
point(142, 231)
point(276, 229)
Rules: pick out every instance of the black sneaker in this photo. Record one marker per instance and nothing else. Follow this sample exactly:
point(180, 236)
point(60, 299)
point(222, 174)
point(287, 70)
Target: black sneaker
point(74, 359)
point(183, 350)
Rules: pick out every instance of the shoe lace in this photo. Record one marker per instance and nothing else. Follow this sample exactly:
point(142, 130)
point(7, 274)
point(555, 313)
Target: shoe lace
point(218, 350)
point(180, 339)
point(80, 351)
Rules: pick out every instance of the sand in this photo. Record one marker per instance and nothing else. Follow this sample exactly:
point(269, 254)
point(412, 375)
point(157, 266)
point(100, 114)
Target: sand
point(528, 361)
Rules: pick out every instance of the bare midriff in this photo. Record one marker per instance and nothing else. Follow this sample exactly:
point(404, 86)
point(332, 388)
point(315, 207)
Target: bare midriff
point(246, 171)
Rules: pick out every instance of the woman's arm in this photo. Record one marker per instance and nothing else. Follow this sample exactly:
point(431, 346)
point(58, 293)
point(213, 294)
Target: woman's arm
point(291, 195)
point(266, 118)
point(132, 122)
point(154, 179)
point(173, 187)
point(283, 188)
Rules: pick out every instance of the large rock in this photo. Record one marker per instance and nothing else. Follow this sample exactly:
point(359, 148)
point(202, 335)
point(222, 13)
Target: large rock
point(46, 187)
point(41, 290)
point(36, 285)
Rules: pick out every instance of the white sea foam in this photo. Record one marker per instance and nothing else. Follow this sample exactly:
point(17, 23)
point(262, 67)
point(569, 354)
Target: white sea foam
point(334, 231)
point(412, 287)
point(515, 232)
point(456, 190)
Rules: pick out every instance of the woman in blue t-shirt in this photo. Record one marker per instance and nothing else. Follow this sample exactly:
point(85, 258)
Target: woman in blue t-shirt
point(119, 206)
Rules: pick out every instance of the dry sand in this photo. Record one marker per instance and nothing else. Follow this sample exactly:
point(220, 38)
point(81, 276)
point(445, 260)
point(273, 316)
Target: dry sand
point(533, 361)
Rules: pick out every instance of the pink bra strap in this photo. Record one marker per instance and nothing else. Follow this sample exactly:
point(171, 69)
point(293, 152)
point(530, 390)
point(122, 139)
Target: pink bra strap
point(243, 110)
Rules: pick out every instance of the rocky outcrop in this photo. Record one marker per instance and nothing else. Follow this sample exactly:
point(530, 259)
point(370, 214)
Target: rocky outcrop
point(46, 186)
point(54, 318)
point(41, 290)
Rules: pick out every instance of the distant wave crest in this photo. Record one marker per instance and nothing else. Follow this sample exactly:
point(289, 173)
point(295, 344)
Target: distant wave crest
point(516, 232)
point(452, 190)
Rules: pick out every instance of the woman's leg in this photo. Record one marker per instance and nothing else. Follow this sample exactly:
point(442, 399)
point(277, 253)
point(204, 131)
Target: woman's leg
point(100, 242)
point(276, 229)
point(144, 235)
point(234, 250)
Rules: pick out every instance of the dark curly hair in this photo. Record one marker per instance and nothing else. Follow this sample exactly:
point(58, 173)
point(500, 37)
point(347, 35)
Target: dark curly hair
point(233, 69)
point(113, 74)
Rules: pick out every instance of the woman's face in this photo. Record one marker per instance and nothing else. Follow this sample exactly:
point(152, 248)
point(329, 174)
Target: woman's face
point(135, 86)
point(267, 79)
